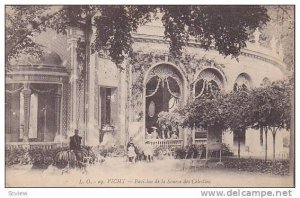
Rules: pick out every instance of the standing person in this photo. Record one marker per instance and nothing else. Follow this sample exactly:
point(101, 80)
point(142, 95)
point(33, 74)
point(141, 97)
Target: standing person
point(131, 153)
point(129, 143)
point(131, 150)
point(148, 135)
point(154, 133)
point(148, 151)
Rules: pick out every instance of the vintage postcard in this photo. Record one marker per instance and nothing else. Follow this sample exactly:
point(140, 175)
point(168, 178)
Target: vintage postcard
point(149, 96)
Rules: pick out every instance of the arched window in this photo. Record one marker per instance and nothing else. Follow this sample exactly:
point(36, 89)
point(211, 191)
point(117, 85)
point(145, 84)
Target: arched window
point(164, 90)
point(208, 84)
point(242, 83)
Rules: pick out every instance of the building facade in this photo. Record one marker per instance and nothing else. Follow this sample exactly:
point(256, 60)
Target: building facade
point(47, 99)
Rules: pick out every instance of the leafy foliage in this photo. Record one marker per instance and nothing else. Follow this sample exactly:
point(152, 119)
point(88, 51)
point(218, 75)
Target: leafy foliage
point(268, 106)
point(22, 22)
point(223, 27)
point(281, 27)
point(113, 151)
point(42, 158)
point(115, 26)
point(240, 115)
point(206, 112)
point(37, 156)
point(173, 118)
point(181, 153)
point(258, 165)
point(17, 156)
point(272, 105)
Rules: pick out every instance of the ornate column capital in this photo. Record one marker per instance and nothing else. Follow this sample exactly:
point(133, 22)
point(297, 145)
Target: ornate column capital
point(26, 90)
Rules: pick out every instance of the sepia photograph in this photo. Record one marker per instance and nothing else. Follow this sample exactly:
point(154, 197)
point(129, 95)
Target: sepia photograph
point(149, 96)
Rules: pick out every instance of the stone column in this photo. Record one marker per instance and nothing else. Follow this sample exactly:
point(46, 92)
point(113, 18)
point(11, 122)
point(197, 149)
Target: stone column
point(92, 133)
point(27, 95)
point(72, 45)
point(57, 111)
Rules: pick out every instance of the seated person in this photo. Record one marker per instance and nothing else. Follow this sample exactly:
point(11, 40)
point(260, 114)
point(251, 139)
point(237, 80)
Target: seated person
point(75, 141)
point(75, 145)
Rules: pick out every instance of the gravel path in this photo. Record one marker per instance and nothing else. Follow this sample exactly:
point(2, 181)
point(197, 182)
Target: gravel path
point(116, 172)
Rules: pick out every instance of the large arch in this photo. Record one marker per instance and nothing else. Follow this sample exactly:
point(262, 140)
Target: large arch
point(164, 87)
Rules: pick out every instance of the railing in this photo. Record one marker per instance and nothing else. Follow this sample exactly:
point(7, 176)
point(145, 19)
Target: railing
point(166, 143)
point(31, 145)
point(200, 141)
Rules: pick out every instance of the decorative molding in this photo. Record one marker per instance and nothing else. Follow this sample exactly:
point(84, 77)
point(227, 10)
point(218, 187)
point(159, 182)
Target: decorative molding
point(16, 78)
point(160, 40)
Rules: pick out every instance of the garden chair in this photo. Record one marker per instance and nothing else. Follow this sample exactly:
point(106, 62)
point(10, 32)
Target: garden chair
point(198, 162)
point(99, 159)
point(188, 161)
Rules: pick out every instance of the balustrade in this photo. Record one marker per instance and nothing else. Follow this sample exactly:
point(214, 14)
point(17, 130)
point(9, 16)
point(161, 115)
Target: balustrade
point(32, 145)
point(166, 143)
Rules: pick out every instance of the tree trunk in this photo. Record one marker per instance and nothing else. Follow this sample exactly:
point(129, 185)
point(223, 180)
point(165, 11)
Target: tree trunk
point(261, 136)
point(274, 135)
point(266, 145)
point(239, 147)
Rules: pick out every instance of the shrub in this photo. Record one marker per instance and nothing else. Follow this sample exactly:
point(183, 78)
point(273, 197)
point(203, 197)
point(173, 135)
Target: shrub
point(161, 152)
point(73, 158)
point(258, 165)
point(180, 153)
point(41, 158)
point(226, 151)
point(17, 156)
point(194, 150)
point(114, 151)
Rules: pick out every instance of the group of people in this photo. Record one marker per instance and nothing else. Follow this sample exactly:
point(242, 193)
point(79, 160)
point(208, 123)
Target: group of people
point(165, 133)
point(134, 153)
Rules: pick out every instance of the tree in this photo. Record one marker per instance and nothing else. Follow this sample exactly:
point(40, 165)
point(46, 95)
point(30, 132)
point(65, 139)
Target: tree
point(223, 27)
point(272, 109)
point(240, 113)
point(21, 24)
point(206, 113)
point(281, 27)
point(173, 119)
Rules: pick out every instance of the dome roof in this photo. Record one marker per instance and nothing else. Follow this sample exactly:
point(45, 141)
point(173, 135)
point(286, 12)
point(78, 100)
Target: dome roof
point(50, 58)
